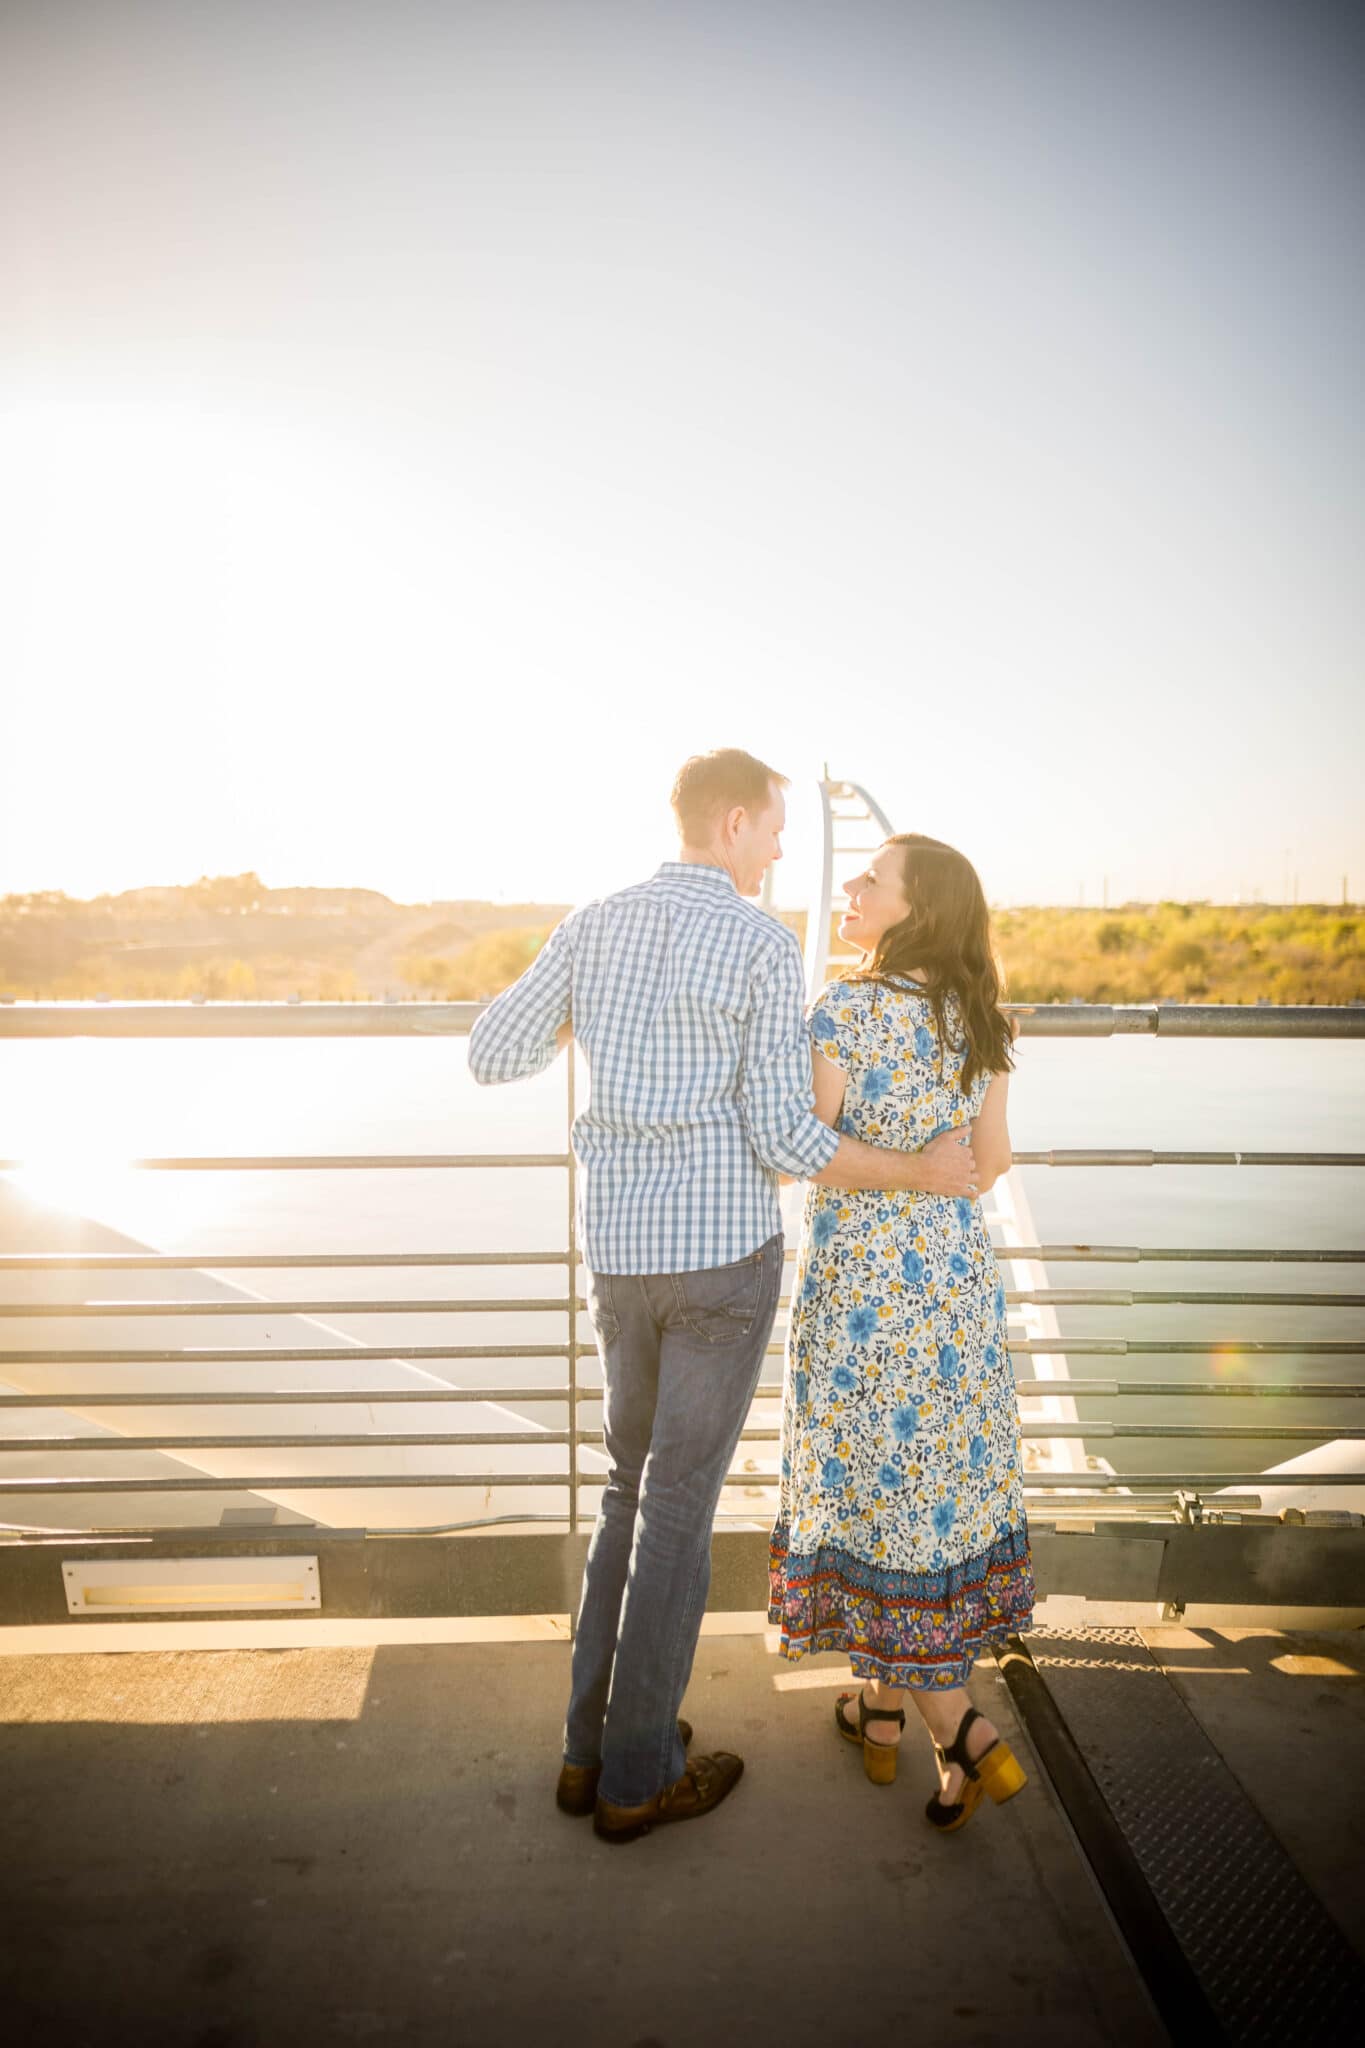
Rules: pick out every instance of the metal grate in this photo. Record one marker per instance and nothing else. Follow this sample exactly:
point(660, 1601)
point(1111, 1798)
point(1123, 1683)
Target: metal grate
point(1272, 1963)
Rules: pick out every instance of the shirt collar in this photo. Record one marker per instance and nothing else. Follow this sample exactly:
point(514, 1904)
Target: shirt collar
point(689, 871)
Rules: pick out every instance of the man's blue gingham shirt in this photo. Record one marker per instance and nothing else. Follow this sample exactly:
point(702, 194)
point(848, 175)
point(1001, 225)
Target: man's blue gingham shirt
point(688, 1004)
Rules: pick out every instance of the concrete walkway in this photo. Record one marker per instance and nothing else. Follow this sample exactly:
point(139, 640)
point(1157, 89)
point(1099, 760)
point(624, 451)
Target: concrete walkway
point(245, 1849)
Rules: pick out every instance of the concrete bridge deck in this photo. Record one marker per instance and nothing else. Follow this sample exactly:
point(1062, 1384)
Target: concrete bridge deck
point(234, 1849)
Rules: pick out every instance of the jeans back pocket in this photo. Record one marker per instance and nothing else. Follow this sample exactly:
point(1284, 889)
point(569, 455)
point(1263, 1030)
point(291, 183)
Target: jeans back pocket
point(719, 1304)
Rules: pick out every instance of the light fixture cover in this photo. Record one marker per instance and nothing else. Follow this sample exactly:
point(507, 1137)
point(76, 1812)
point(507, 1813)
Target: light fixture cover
point(191, 1585)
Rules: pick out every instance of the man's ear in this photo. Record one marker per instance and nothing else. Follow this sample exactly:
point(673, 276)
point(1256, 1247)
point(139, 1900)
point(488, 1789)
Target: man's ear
point(730, 823)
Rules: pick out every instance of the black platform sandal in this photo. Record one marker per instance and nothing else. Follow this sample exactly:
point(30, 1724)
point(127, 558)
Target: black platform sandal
point(997, 1771)
point(879, 1758)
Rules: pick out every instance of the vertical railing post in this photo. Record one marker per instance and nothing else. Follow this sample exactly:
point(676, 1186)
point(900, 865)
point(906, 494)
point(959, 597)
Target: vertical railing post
point(573, 1299)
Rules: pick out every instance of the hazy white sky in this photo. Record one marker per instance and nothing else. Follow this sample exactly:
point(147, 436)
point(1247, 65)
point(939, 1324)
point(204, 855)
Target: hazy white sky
point(424, 424)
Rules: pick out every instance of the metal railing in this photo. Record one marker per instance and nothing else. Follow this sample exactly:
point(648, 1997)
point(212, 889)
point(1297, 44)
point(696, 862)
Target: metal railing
point(1185, 1492)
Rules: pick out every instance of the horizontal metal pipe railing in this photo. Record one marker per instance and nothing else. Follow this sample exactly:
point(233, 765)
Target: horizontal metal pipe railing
point(1060, 1297)
point(768, 1391)
point(235, 1397)
point(212, 1262)
point(291, 1396)
point(1120, 1297)
point(317, 1354)
point(353, 1162)
point(1088, 1508)
point(374, 1439)
point(201, 1019)
point(1045, 1347)
point(505, 1305)
point(1200, 1255)
point(1130, 1156)
point(1102, 1493)
point(1160, 1347)
point(474, 1439)
point(328, 1162)
point(332, 1482)
point(1210, 1432)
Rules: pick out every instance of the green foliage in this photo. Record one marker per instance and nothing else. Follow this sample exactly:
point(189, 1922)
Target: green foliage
point(479, 970)
point(1183, 952)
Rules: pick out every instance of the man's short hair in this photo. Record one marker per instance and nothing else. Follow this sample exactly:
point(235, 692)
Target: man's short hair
point(709, 785)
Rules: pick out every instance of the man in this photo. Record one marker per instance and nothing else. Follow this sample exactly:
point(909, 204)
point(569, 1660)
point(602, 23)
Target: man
point(687, 1001)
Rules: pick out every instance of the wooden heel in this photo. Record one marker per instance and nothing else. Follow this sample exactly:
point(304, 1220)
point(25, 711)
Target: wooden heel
point(1001, 1772)
point(879, 1761)
point(879, 1758)
point(996, 1771)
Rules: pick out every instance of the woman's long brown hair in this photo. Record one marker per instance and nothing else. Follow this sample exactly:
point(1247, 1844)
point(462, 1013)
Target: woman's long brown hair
point(945, 942)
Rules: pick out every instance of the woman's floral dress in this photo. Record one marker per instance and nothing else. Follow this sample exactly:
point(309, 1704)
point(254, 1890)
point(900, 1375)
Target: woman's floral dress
point(901, 1535)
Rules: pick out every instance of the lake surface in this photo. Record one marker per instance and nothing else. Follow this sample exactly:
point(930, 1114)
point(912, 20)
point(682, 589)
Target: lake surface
point(76, 1108)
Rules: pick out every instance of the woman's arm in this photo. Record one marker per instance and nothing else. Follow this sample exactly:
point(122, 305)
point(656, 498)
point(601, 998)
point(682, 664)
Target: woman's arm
point(945, 1167)
point(991, 1137)
point(830, 1082)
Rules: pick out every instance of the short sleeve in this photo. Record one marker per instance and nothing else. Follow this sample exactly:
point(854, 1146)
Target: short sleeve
point(833, 1025)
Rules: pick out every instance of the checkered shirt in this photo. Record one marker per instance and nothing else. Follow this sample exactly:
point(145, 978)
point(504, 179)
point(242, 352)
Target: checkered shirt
point(688, 1004)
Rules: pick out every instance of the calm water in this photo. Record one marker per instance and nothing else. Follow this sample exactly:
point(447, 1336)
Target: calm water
point(77, 1108)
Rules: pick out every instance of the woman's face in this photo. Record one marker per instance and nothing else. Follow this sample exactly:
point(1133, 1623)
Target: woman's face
point(876, 900)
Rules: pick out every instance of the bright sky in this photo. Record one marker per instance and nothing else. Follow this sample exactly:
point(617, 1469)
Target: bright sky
point(425, 424)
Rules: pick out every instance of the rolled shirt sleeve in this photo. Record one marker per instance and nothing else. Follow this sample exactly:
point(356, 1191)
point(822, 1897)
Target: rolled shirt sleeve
point(776, 1095)
point(515, 1036)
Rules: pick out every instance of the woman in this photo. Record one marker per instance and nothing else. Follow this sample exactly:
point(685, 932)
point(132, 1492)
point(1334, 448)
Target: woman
point(901, 1535)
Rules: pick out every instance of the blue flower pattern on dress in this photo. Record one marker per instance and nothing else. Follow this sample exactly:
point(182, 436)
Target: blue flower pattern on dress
point(825, 1228)
point(901, 1537)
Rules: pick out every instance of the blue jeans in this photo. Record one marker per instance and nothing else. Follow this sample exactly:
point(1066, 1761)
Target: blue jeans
point(681, 1357)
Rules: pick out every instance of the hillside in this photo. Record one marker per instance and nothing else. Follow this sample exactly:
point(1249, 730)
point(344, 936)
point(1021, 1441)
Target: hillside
point(232, 937)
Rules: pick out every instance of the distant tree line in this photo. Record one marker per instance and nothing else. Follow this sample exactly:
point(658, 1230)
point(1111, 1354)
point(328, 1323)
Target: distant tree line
point(347, 944)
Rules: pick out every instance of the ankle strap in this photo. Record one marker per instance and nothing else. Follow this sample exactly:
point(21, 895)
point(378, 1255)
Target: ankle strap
point(956, 1753)
point(866, 1714)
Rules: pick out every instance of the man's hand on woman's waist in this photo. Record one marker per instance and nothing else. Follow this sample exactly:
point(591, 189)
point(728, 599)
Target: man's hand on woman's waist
point(945, 1166)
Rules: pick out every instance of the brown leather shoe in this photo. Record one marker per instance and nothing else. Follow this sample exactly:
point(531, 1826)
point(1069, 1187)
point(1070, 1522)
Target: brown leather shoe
point(706, 1781)
point(576, 1792)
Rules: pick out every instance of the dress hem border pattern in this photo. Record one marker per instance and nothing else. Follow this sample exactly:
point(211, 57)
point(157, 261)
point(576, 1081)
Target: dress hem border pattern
point(917, 1630)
